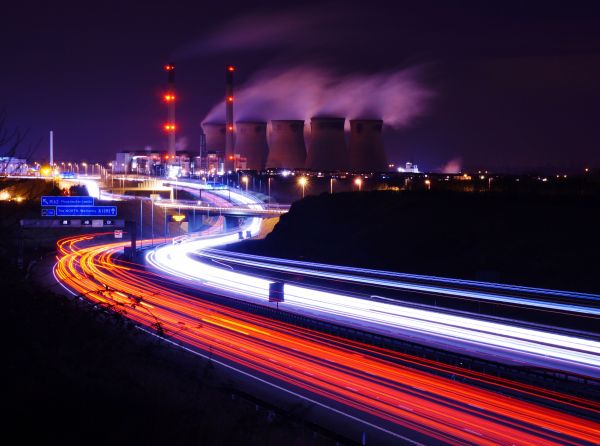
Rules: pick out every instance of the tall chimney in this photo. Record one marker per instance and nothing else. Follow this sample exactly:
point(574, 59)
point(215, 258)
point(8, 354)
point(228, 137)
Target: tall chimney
point(251, 142)
point(286, 144)
point(229, 141)
point(169, 98)
point(327, 150)
point(366, 146)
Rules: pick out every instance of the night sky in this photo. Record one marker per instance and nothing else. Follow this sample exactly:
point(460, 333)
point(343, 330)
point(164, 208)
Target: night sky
point(507, 85)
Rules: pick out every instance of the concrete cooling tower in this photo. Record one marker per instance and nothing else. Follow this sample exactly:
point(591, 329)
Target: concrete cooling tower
point(327, 149)
point(366, 146)
point(251, 142)
point(215, 137)
point(286, 148)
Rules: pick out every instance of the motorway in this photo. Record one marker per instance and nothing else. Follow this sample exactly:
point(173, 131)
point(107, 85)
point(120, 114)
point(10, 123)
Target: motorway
point(500, 341)
point(406, 399)
point(379, 384)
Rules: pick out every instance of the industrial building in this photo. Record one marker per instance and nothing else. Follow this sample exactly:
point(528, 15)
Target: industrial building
point(251, 143)
point(327, 149)
point(366, 146)
point(286, 145)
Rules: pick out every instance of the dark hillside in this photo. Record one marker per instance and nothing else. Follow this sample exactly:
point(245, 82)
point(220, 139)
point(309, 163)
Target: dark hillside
point(550, 241)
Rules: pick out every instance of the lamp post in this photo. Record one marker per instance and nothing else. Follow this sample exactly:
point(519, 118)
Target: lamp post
point(331, 185)
point(269, 190)
point(302, 182)
point(428, 184)
point(245, 180)
point(358, 182)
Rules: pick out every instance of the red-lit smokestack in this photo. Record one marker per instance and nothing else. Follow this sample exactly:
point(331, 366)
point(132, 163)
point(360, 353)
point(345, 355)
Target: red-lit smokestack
point(229, 128)
point(169, 98)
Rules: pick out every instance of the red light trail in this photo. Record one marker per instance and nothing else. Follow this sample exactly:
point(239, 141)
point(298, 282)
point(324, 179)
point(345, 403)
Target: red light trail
point(375, 381)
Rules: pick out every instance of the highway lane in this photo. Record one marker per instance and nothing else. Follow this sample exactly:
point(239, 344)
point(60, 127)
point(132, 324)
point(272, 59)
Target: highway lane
point(584, 304)
point(381, 385)
point(497, 341)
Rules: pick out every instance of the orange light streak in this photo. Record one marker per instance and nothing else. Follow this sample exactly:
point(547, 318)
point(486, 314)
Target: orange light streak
point(374, 380)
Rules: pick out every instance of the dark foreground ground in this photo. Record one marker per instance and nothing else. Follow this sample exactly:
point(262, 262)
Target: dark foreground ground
point(75, 376)
point(78, 376)
point(531, 239)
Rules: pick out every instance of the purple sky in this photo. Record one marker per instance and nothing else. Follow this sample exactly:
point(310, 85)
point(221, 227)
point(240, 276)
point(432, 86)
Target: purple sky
point(509, 85)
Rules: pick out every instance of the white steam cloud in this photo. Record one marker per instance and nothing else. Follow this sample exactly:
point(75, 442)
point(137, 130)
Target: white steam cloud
point(397, 97)
point(452, 166)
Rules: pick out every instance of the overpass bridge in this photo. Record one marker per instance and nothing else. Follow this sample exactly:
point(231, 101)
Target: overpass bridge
point(236, 210)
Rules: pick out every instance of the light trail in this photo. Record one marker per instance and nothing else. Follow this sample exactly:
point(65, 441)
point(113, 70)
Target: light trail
point(351, 275)
point(379, 384)
point(499, 341)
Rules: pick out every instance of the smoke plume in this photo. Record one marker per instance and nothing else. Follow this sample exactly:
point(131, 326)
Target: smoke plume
point(452, 166)
point(303, 92)
point(296, 29)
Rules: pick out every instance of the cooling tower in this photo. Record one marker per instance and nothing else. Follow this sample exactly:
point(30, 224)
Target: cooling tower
point(286, 147)
point(366, 146)
point(327, 149)
point(251, 142)
point(215, 138)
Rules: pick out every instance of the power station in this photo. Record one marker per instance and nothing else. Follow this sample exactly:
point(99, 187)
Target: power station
point(230, 145)
point(282, 144)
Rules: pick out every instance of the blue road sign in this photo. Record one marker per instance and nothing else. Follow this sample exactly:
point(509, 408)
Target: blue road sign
point(86, 211)
point(67, 201)
point(48, 212)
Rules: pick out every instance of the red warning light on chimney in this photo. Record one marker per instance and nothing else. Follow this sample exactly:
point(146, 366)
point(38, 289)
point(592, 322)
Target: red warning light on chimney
point(169, 67)
point(229, 98)
point(169, 127)
point(169, 97)
point(230, 68)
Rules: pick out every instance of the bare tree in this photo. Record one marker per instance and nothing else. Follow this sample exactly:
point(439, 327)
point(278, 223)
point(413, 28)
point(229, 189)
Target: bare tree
point(10, 142)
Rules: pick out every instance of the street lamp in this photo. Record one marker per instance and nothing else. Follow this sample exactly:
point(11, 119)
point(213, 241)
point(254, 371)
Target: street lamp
point(428, 184)
point(85, 167)
point(245, 180)
point(358, 182)
point(302, 182)
point(331, 185)
point(269, 190)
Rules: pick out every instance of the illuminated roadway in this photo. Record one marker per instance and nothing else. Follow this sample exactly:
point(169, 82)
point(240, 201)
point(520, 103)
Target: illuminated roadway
point(375, 385)
point(454, 331)
point(405, 398)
